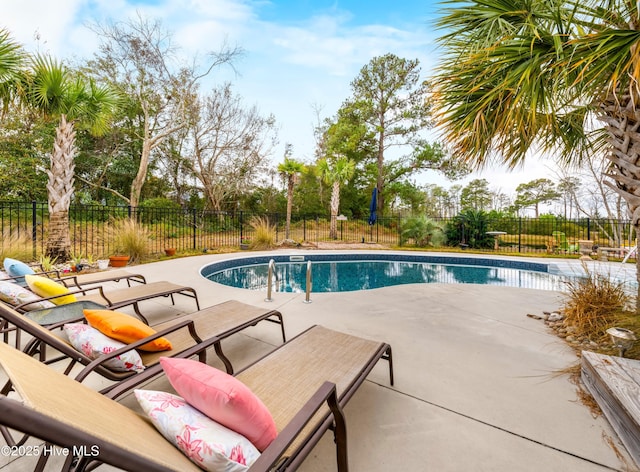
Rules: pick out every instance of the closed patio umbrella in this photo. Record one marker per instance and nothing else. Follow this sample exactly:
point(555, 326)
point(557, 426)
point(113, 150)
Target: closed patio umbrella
point(373, 207)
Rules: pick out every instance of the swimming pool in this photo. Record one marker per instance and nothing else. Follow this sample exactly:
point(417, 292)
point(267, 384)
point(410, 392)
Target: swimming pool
point(352, 271)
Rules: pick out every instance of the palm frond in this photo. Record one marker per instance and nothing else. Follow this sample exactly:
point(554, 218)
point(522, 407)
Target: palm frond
point(503, 87)
point(48, 85)
point(12, 58)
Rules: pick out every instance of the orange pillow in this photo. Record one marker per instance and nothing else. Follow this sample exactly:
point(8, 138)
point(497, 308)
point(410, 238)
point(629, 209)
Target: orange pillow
point(125, 328)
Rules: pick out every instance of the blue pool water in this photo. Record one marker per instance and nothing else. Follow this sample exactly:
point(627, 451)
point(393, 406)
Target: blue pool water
point(348, 272)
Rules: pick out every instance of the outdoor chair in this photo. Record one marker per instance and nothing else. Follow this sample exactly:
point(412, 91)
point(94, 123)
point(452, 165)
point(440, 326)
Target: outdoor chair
point(95, 429)
point(562, 244)
point(286, 377)
point(16, 270)
point(189, 335)
point(81, 280)
point(122, 297)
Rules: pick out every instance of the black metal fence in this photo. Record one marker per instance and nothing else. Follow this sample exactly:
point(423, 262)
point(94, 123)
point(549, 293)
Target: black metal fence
point(195, 230)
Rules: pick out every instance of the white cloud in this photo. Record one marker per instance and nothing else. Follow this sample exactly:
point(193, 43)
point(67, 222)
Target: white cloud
point(40, 25)
point(287, 69)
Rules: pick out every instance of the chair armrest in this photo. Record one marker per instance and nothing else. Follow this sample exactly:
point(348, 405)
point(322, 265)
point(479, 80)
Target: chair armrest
point(20, 278)
point(49, 273)
point(69, 281)
point(134, 345)
point(82, 291)
point(326, 393)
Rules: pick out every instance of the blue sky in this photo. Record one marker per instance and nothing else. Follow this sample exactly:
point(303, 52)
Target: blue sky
point(300, 55)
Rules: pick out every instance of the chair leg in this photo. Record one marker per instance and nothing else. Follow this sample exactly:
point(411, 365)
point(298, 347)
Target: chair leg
point(136, 309)
point(387, 356)
point(339, 433)
point(225, 360)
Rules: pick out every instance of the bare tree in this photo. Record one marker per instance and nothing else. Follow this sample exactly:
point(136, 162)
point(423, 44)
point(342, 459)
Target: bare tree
point(140, 58)
point(595, 199)
point(230, 144)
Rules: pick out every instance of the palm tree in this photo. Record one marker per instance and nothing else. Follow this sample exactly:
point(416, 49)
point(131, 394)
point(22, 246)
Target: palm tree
point(290, 169)
point(49, 88)
point(12, 58)
point(336, 174)
point(538, 76)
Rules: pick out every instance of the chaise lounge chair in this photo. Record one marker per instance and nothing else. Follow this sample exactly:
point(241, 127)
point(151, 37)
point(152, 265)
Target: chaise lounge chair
point(91, 278)
point(190, 334)
point(284, 378)
point(303, 368)
point(127, 296)
point(95, 429)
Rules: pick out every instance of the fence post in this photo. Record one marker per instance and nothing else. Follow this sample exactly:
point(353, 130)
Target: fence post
point(195, 227)
point(519, 234)
point(34, 228)
point(588, 228)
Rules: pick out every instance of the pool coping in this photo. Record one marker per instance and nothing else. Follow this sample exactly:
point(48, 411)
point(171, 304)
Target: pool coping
point(481, 261)
point(207, 271)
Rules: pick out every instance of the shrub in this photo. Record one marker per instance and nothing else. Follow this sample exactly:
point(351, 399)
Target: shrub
point(422, 230)
point(128, 237)
point(263, 236)
point(47, 262)
point(594, 304)
point(470, 227)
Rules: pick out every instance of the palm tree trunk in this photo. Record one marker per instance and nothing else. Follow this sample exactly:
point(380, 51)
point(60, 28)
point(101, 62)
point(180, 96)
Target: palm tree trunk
point(621, 115)
point(289, 206)
point(335, 206)
point(60, 190)
point(58, 241)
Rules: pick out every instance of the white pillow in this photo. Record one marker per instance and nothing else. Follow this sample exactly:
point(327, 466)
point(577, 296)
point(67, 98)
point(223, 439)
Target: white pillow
point(94, 344)
point(208, 444)
point(14, 294)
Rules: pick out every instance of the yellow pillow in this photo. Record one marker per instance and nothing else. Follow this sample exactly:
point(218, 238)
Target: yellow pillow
point(125, 328)
point(46, 287)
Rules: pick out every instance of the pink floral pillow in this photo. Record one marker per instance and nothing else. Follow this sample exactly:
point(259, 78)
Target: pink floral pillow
point(207, 443)
point(223, 398)
point(93, 344)
point(14, 294)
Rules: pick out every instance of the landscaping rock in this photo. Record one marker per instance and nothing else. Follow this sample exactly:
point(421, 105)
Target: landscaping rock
point(556, 317)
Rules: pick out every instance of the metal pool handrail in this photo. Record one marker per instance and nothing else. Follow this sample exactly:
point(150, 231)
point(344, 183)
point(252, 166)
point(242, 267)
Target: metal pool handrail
point(272, 270)
point(307, 298)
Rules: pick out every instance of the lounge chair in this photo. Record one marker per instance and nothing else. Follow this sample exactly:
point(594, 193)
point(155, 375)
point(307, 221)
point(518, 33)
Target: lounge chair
point(189, 334)
point(96, 429)
point(127, 296)
point(284, 380)
point(81, 280)
point(303, 364)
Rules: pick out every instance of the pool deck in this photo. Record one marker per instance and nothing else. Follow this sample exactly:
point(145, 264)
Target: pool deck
point(477, 383)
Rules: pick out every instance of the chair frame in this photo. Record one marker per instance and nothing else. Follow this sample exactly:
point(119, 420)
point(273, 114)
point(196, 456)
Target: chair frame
point(22, 417)
point(323, 420)
point(80, 280)
point(128, 296)
point(207, 327)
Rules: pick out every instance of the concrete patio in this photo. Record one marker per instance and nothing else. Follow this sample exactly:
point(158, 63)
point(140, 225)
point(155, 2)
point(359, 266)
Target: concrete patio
point(477, 382)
